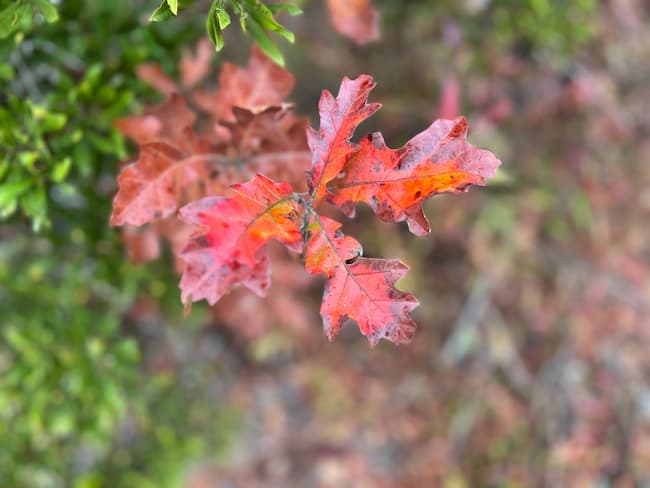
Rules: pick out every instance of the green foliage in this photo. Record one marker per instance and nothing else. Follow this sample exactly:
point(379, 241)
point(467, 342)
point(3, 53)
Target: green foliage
point(65, 370)
point(18, 15)
point(255, 18)
point(69, 381)
point(168, 436)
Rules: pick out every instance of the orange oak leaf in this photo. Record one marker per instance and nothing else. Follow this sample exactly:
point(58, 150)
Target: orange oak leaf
point(339, 117)
point(361, 289)
point(355, 19)
point(232, 241)
point(161, 179)
point(260, 85)
point(395, 182)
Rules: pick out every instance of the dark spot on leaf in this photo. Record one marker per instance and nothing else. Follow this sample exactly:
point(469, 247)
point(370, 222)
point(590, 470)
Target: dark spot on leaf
point(459, 129)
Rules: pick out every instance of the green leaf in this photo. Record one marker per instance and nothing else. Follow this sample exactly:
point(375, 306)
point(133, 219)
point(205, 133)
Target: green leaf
point(48, 11)
point(34, 204)
point(61, 169)
point(223, 18)
point(287, 7)
point(264, 18)
point(6, 72)
point(12, 16)
point(242, 12)
point(9, 192)
point(163, 12)
point(48, 121)
point(168, 9)
point(28, 158)
point(53, 122)
point(262, 40)
point(214, 31)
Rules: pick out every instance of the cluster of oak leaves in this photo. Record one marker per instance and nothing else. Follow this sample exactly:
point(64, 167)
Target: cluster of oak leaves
point(198, 147)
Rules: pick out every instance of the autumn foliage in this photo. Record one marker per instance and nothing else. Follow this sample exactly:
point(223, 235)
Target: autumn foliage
point(221, 173)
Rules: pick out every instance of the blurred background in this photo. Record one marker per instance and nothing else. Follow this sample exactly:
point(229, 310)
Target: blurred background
point(530, 366)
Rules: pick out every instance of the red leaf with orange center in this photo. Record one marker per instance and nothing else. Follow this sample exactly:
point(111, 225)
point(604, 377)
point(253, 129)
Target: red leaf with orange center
point(395, 182)
point(235, 230)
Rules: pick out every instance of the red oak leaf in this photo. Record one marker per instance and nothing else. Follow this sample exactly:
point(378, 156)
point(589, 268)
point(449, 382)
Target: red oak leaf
point(235, 230)
point(356, 19)
point(256, 87)
point(161, 180)
point(331, 146)
point(327, 247)
point(271, 142)
point(164, 122)
point(395, 182)
point(360, 289)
